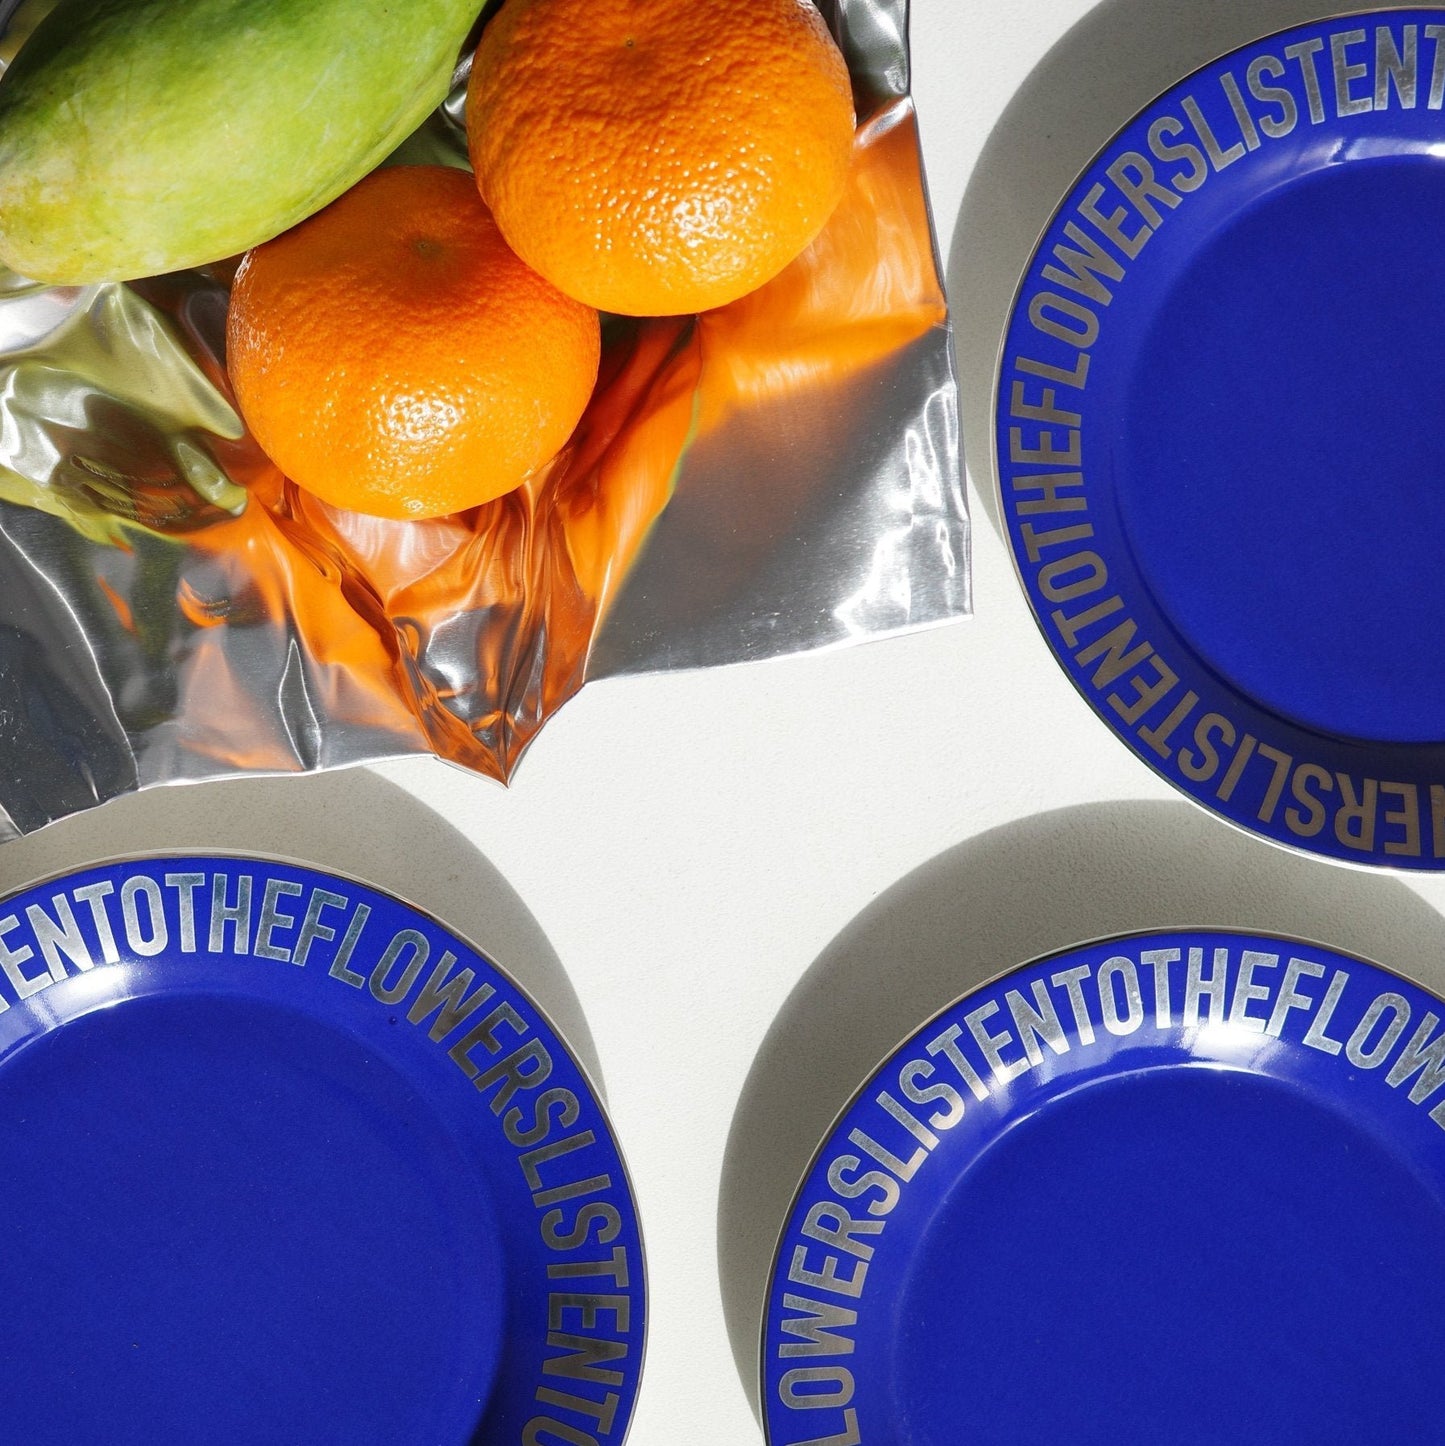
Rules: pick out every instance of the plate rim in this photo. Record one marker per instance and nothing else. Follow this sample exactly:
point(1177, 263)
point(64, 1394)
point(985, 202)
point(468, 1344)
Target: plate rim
point(595, 1090)
point(1427, 865)
point(988, 981)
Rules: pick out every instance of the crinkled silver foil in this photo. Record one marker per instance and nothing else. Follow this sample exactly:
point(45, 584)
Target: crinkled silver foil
point(170, 609)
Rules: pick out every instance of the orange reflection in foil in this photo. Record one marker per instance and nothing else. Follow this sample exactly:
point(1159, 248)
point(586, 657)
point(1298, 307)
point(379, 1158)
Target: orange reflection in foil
point(303, 619)
point(123, 614)
point(461, 635)
point(864, 289)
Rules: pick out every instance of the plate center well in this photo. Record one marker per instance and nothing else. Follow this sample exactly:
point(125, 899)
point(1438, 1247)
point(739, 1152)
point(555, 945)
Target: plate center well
point(1279, 457)
point(229, 1222)
point(1187, 1255)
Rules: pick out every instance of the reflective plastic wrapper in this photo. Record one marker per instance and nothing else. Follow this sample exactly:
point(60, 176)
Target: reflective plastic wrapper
point(778, 475)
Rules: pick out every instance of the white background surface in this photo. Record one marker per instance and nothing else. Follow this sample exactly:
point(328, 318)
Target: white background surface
point(691, 844)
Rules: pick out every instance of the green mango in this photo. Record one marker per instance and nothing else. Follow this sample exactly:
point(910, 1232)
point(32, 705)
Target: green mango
point(144, 136)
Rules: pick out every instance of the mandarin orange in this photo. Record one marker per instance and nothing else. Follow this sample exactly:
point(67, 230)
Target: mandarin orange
point(658, 157)
point(393, 355)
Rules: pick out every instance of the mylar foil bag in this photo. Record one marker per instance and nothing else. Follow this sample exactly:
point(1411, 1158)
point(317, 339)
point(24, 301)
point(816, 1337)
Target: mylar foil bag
point(779, 475)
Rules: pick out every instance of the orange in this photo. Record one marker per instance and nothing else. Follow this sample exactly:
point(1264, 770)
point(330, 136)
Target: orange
point(393, 356)
point(658, 157)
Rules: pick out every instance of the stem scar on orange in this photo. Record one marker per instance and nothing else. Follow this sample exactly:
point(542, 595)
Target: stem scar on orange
point(393, 355)
point(657, 157)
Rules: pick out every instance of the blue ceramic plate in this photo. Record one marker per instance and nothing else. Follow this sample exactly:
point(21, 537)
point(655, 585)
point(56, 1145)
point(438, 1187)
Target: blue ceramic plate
point(1219, 442)
point(283, 1161)
point(1183, 1188)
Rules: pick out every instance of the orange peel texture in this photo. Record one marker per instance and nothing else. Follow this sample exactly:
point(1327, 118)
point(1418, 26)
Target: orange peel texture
point(659, 157)
point(393, 355)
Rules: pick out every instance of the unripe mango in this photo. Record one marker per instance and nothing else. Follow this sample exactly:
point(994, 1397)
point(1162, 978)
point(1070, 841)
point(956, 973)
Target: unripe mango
point(143, 136)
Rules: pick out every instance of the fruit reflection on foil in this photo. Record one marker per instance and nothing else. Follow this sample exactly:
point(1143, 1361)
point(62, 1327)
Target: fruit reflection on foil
point(176, 609)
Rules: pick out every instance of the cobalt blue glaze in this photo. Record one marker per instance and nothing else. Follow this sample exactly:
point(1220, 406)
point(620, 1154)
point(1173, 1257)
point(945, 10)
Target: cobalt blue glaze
point(1186, 1187)
point(1221, 472)
point(295, 1165)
